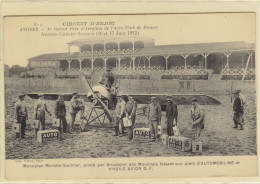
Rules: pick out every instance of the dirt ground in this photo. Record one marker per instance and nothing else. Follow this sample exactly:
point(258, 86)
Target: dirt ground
point(219, 138)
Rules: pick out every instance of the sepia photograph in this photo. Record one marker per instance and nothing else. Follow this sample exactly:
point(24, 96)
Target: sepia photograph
point(156, 86)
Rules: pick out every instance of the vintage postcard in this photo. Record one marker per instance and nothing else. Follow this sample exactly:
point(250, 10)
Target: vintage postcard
point(130, 96)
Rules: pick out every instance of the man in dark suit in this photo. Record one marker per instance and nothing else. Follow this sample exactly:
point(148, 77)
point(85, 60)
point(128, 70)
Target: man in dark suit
point(60, 112)
point(171, 115)
point(21, 115)
point(238, 112)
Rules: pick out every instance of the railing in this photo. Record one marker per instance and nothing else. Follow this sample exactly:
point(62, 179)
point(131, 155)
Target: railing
point(190, 70)
point(250, 71)
point(238, 74)
point(129, 71)
point(74, 72)
point(110, 52)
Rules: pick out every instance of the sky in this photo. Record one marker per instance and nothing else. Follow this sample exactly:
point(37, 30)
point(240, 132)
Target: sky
point(22, 41)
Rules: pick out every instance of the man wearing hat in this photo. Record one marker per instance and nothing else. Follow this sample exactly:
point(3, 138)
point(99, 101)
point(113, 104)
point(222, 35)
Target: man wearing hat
point(154, 117)
point(171, 115)
point(39, 110)
point(130, 109)
point(238, 110)
point(76, 106)
point(21, 115)
point(119, 115)
point(109, 80)
point(60, 112)
point(197, 116)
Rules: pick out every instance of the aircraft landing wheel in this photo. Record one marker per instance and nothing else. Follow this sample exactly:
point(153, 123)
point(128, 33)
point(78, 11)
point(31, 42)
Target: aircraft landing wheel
point(84, 125)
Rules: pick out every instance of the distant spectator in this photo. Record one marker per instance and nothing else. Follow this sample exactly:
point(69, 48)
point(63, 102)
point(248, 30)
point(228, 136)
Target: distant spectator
point(238, 109)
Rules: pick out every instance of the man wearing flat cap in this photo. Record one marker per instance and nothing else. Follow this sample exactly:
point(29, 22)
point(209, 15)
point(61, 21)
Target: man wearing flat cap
point(171, 115)
point(238, 109)
point(119, 115)
point(154, 117)
point(197, 117)
point(60, 112)
point(39, 110)
point(130, 109)
point(76, 106)
point(21, 115)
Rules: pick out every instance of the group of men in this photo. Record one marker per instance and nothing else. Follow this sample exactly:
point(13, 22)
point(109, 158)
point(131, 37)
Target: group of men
point(125, 108)
point(40, 108)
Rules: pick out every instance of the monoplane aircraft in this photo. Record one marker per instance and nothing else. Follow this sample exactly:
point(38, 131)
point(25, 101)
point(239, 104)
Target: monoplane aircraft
point(100, 98)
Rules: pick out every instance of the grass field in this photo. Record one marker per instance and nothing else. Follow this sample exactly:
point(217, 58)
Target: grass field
point(219, 138)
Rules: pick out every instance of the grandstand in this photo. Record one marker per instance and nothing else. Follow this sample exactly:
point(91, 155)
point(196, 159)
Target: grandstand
point(141, 58)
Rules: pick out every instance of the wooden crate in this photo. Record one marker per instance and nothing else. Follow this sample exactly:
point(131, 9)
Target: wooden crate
point(56, 122)
point(159, 130)
point(197, 146)
point(165, 139)
point(16, 128)
point(35, 124)
point(48, 135)
point(141, 133)
point(179, 143)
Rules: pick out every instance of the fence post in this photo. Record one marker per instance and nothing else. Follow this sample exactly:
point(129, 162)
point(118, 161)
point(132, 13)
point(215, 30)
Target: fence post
point(128, 85)
point(193, 86)
point(141, 86)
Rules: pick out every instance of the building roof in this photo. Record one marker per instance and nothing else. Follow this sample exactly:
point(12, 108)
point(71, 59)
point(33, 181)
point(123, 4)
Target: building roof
point(201, 47)
point(198, 48)
point(84, 41)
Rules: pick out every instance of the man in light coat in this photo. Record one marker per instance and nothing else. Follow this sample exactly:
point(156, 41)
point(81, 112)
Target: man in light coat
point(39, 108)
point(119, 115)
point(154, 117)
point(130, 109)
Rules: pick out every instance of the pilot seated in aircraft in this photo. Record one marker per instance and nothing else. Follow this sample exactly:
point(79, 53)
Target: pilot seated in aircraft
point(108, 79)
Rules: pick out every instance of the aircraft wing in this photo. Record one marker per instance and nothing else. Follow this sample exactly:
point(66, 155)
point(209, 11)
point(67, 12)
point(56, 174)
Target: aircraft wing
point(179, 99)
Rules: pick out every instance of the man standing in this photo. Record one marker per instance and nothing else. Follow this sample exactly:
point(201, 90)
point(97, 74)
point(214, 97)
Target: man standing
point(60, 112)
point(21, 115)
point(119, 115)
point(197, 116)
point(154, 117)
point(243, 103)
point(238, 112)
point(171, 115)
point(76, 106)
point(40, 107)
point(131, 107)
